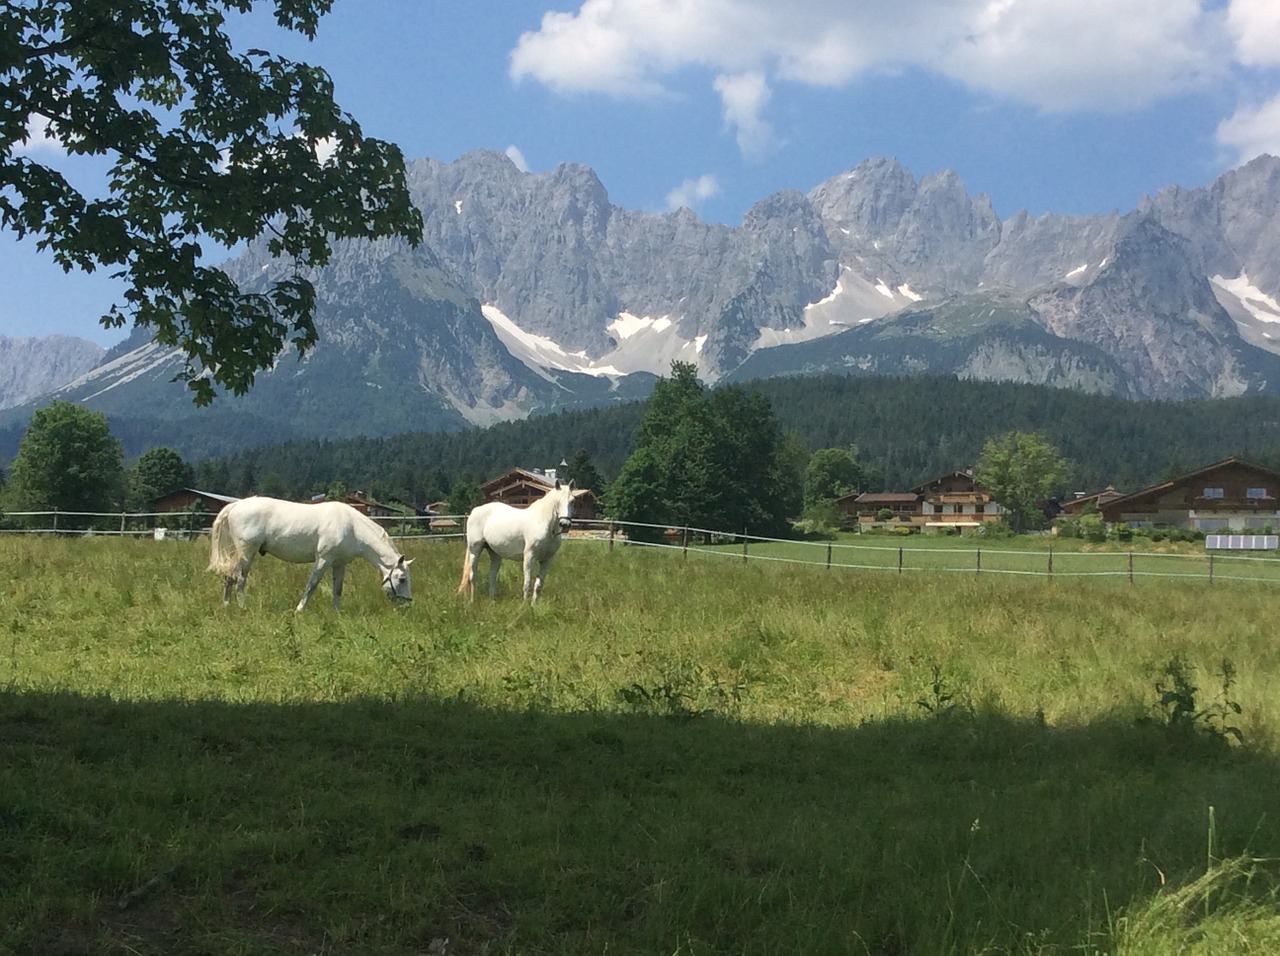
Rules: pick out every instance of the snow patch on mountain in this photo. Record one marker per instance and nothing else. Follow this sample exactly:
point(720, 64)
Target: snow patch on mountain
point(539, 352)
point(627, 325)
point(1257, 303)
point(125, 368)
point(853, 301)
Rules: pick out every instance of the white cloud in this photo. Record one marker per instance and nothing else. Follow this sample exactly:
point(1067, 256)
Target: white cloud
point(744, 97)
point(1252, 131)
point(1254, 26)
point(517, 157)
point(1104, 55)
point(1051, 54)
point(692, 191)
point(38, 140)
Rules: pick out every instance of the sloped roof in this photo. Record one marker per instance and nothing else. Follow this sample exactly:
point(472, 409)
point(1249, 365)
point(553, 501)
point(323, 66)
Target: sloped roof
point(225, 499)
point(1178, 481)
point(958, 473)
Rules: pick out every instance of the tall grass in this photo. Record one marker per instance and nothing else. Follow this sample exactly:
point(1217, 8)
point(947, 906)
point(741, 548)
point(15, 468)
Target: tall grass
point(663, 756)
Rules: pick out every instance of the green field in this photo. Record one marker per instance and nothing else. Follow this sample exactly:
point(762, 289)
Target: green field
point(669, 754)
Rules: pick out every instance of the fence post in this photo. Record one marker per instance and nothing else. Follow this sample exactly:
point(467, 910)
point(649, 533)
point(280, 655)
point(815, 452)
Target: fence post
point(684, 543)
point(979, 568)
point(1130, 567)
point(744, 545)
point(55, 519)
point(1211, 567)
point(828, 555)
point(611, 535)
point(122, 523)
point(899, 560)
point(1050, 560)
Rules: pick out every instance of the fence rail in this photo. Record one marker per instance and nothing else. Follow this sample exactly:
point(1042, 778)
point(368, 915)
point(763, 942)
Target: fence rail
point(705, 543)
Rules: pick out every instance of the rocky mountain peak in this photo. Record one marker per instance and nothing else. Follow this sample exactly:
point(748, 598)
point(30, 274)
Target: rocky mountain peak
point(531, 290)
point(30, 367)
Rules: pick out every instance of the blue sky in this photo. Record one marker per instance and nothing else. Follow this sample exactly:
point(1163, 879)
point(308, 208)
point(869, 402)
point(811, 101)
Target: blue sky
point(1069, 107)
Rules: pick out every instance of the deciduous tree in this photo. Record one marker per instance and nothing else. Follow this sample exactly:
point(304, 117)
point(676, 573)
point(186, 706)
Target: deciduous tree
point(1020, 469)
point(157, 472)
point(209, 145)
point(68, 460)
point(831, 472)
point(704, 458)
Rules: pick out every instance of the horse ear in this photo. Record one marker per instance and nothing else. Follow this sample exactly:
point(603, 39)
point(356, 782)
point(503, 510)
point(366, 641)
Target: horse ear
point(557, 487)
point(404, 562)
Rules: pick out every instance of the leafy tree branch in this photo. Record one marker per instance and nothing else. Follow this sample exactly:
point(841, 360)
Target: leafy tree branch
point(209, 146)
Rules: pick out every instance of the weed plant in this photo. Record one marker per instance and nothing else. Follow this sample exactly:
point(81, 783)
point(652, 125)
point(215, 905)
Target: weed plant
point(665, 755)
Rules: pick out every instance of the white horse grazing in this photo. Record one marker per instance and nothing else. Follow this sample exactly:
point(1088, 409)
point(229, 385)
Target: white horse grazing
point(329, 533)
point(505, 532)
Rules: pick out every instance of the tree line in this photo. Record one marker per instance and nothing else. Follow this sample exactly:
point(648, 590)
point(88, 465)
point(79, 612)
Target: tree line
point(902, 431)
point(726, 458)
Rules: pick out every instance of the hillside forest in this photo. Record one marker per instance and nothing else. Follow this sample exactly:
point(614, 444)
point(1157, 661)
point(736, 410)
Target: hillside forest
point(904, 431)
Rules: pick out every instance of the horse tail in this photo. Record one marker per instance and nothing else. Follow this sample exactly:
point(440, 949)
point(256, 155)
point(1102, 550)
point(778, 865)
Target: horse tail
point(466, 573)
point(224, 554)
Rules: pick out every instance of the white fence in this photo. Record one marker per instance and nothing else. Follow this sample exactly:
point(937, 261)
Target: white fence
point(179, 524)
point(879, 554)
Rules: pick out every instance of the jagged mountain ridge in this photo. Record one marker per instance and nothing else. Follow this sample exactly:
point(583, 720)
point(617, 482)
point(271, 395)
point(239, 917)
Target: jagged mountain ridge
point(30, 367)
point(532, 291)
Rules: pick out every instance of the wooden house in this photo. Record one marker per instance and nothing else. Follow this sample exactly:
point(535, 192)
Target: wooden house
point(864, 508)
point(520, 487)
point(955, 501)
point(1080, 504)
point(183, 499)
point(362, 503)
point(1230, 495)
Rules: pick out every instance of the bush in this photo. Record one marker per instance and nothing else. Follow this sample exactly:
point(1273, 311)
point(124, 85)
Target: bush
point(1092, 528)
point(822, 517)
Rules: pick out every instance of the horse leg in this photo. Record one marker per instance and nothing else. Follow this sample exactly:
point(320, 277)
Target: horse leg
point(339, 571)
point(495, 562)
point(316, 574)
point(530, 590)
point(542, 576)
point(238, 578)
point(473, 571)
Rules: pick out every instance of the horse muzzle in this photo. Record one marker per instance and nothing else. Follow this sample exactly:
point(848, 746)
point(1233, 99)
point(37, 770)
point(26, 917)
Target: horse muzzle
point(565, 524)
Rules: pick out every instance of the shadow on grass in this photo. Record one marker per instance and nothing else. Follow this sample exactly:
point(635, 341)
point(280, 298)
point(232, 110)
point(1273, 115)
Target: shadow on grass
point(426, 826)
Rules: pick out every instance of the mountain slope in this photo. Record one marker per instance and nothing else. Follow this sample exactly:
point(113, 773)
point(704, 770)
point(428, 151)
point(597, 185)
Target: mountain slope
point(531, 291)
point(30, 367)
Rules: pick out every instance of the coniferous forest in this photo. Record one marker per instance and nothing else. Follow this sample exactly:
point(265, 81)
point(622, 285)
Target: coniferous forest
point(905, 429)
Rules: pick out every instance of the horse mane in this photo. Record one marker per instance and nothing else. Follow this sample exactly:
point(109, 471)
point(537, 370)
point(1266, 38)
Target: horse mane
point(381, 533)
point(550, 502)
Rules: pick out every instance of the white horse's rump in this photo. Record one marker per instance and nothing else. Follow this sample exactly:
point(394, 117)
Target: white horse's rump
point(531, 533)
point(329, 533)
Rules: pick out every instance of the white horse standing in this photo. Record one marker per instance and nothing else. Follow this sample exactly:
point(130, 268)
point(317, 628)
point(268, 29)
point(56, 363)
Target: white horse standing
point(532, 533)
point(329, 533)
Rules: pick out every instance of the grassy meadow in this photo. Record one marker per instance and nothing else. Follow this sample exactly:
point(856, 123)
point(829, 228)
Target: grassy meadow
point(668, 755)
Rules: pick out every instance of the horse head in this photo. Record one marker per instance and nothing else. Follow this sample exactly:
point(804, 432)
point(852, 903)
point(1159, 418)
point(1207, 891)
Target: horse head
point(565, 504)
point(396, 581)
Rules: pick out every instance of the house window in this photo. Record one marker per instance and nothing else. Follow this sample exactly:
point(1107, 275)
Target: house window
point(1256, 493)
point(1212, 493)
point(1213, 524)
